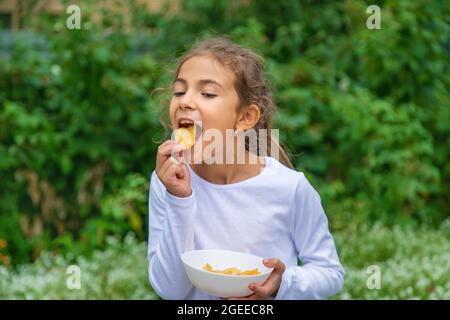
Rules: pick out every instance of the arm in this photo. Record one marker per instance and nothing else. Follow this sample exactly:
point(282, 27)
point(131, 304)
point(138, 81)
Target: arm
point(321, 275)
point(171, 233)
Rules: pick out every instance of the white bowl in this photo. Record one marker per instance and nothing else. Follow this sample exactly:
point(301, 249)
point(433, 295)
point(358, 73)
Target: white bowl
point(222, 285)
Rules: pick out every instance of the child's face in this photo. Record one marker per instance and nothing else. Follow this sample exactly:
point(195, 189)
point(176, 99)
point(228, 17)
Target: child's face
point(204, 91)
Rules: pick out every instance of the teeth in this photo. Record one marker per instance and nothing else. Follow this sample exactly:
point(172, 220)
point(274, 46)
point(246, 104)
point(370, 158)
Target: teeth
point(186, 122)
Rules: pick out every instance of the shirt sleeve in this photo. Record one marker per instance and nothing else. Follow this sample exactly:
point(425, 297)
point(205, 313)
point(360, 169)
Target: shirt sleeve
point(171, 233)
point(321, 274)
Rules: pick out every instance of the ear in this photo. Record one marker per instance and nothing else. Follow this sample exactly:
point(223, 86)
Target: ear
point(248, 117)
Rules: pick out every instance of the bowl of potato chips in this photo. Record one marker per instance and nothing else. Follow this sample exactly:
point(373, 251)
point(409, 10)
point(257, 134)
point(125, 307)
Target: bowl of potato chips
point(223, 273)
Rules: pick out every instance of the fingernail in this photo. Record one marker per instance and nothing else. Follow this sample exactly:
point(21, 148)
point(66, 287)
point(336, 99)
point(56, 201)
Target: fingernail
point(177, 148)
point(252, 286)
point(174, 160)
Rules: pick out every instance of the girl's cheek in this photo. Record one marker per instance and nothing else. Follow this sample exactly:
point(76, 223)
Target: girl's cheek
point(172, 104)
point(172, 114)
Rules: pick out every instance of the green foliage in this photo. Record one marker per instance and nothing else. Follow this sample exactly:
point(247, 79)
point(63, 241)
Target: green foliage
point(413, 263)
point(365, 113)
point(75, 123)
point(105, 275)
point(379, 155)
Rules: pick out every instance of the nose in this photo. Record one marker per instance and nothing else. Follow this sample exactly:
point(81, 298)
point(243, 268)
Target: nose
point(186, 102)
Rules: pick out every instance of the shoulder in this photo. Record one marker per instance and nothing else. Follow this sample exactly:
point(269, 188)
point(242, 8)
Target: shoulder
point(287, 176)
point(293, 181)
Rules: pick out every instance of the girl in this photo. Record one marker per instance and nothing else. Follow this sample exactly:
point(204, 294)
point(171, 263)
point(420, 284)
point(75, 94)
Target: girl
point(264, 208)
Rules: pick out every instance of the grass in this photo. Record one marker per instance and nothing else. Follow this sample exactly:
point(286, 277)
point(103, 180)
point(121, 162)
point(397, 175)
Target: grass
point(414, 264)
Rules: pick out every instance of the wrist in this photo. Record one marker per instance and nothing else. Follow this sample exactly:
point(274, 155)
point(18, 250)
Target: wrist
point(180, 194)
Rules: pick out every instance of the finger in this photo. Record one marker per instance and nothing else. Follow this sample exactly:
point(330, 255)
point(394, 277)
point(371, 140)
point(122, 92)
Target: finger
point(166, 145)
point(165, 150)
point(163, 167)
point(185, 169)
point(175, 171)
point(177, 156)
point(275, 263)
point(168, 175)
point(181, 158)
point(165, 162)
point(270, 286)
point(174, 159)
point(262, 290)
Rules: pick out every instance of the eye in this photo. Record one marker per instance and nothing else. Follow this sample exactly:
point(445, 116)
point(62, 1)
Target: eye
point(209, 95)
point(178, 93)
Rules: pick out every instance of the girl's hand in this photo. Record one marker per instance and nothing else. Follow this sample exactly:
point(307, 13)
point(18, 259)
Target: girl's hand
point(270, 287)
point(175, 176)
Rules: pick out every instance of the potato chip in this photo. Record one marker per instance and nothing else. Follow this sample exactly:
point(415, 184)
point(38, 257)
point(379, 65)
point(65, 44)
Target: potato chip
point(250, 272)
point(207, 267)
point(185, 136)
point(232, 271)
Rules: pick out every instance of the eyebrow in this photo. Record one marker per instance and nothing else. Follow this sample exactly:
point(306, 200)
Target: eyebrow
point(202, 82)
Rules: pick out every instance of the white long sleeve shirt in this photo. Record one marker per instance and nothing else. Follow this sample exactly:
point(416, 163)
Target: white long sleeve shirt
point(274, 214)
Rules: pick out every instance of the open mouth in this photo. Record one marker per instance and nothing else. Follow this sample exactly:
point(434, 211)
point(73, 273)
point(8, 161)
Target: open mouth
point(186, 134)
point(185, 123)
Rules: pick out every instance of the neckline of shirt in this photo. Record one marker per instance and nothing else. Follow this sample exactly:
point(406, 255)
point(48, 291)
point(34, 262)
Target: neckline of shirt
point(264, 171)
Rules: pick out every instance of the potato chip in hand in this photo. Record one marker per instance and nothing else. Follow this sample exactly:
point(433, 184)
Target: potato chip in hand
point(185, 136)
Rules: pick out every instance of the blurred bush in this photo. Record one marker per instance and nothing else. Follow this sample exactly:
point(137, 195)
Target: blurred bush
point(76, 135)
point(365, 113)
point(413, 262)
point(105, 275)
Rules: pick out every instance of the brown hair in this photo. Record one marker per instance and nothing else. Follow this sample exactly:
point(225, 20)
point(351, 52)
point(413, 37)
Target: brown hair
point(250, 81)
